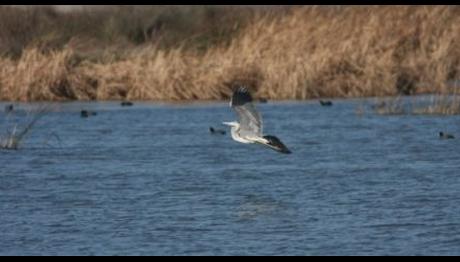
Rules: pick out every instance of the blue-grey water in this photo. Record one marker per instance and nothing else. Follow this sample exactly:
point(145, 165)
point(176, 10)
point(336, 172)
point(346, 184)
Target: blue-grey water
point(151, 180)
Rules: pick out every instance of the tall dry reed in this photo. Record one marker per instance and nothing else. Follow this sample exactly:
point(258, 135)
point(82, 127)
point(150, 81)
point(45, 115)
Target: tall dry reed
point(302, 53)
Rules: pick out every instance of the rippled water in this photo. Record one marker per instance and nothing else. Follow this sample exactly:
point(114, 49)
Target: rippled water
point(151, 180)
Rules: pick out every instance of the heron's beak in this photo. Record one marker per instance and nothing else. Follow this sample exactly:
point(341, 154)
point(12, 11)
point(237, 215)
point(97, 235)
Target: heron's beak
point(228, 123)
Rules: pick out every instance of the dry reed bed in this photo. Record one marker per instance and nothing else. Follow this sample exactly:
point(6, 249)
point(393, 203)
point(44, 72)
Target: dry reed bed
point(306, 53)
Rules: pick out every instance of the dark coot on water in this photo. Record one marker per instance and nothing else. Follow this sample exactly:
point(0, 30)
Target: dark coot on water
point(325, 103)
point(263, 100)
point(86, 113)
point(443, 135)
point(212, 130)
point(9, 108)
point(127, 103)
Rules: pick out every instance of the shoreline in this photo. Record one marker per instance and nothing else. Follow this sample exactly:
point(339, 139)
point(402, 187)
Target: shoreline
point(207, 101)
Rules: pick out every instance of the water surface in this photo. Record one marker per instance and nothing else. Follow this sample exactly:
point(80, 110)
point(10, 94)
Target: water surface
point(151, 180)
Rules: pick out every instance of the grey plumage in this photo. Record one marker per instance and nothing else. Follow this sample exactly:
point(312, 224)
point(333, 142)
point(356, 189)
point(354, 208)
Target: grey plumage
point(249, 129)
point(249, 119)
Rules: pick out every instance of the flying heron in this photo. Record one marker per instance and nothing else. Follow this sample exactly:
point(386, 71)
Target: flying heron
point(249, 128)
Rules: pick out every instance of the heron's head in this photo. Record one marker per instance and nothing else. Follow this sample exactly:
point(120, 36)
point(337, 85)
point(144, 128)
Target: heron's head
point(232, 124)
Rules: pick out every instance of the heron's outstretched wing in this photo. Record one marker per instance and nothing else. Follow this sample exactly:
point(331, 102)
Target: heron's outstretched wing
point(249, 119)
point(275, 143)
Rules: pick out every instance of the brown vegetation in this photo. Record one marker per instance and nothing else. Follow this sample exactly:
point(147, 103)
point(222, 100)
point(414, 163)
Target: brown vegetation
point(296, 53)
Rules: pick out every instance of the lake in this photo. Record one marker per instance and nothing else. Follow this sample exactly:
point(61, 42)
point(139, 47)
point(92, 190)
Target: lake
point(151, 180)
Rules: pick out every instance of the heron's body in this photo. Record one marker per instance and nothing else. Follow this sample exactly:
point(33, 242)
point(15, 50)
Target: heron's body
point(249, 128)
point(235, 132)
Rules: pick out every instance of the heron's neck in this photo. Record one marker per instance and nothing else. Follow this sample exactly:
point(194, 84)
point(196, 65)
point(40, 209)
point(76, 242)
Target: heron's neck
point(236, 135)
point(234, 131)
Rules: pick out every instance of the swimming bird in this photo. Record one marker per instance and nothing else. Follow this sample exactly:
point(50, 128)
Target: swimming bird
point(126, 103)
point(249, 128)
point(325, 103)
point(263, 100)
point(216, 131)
point(86, 113)
point(442, 135)
point(9, 108)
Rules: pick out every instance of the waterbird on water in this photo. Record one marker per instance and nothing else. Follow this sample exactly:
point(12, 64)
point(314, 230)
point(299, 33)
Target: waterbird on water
point(86, 113)
point(263, 100)
point(325, 103)
point(127, 103)
point(249, 128)
point(9, 108)
point(212, 130)
point(443, 135)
